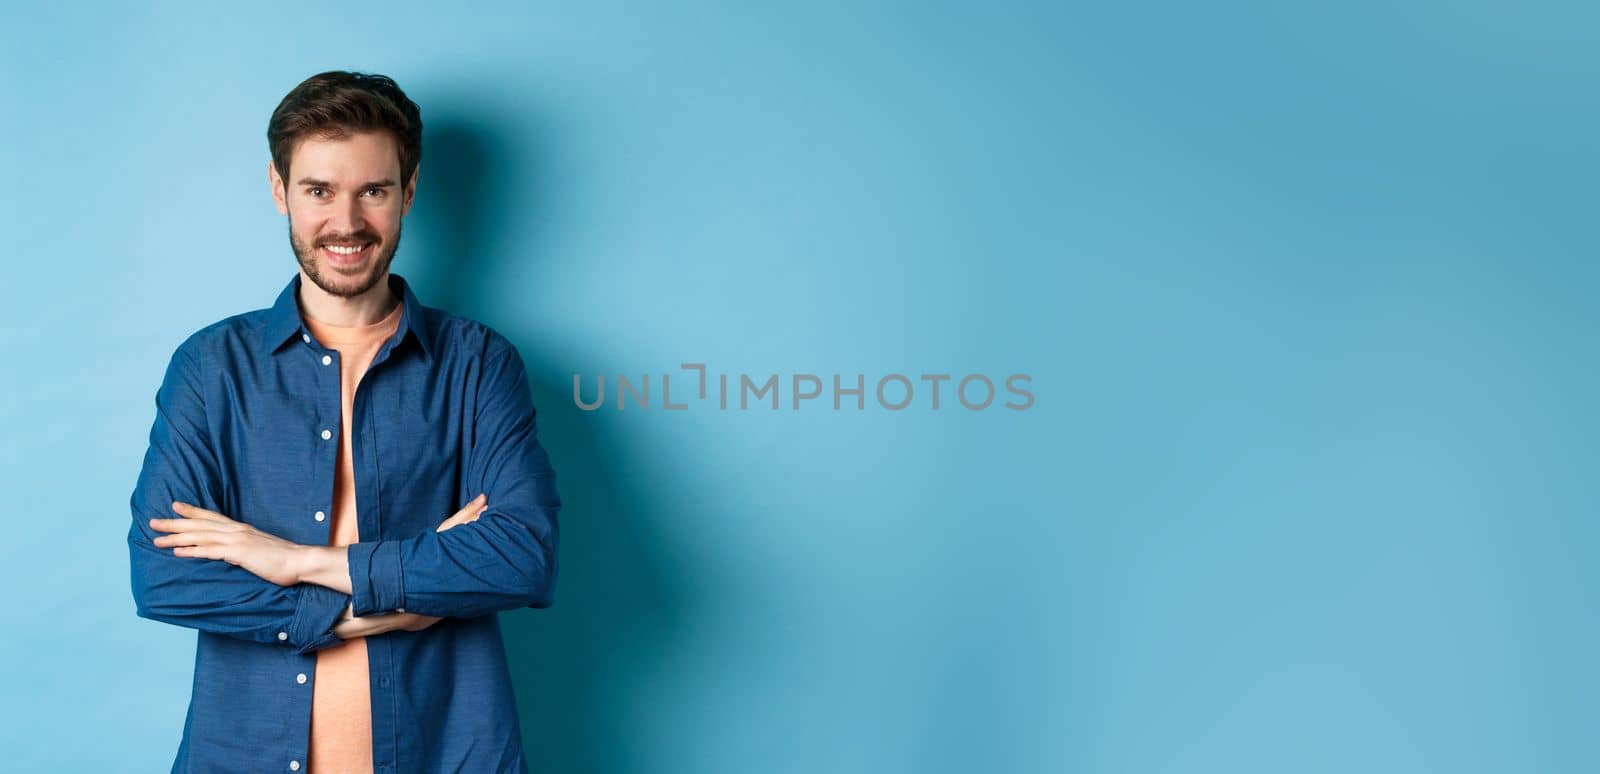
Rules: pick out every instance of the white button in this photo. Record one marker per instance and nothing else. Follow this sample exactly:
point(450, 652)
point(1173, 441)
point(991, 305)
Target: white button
point(326, 434)
point(306, 337)
point(326, 359)
point(320, 516)
point(294, 765)
point(283, 635)
point(300, 678)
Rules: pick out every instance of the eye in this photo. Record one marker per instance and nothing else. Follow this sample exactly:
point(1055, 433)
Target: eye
point(379, 191)
point(313, 190)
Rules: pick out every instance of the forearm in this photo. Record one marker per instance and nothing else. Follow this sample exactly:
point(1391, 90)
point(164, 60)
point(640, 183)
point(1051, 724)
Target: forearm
point(223, 598)
point(351, 626)
point(327, 566)
point(504, 560)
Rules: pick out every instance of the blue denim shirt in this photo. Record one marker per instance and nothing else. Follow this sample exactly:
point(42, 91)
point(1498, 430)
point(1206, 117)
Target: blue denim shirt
point(247, 424)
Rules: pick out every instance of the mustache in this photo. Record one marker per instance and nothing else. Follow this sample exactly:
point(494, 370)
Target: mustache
point(359, 238)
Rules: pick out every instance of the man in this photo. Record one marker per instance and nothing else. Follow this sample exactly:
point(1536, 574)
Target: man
point(299, 504)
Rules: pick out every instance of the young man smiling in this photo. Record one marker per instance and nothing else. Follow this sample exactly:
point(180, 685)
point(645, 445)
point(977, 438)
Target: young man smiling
point(299, 503)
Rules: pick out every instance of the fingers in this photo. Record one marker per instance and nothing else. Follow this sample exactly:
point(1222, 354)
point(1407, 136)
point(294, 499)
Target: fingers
point(191, 537)
point(459, 519)
point(203, 552)
point(469, 512)
point(196, 512)
point(473, 506)
point(196, 545)
point(178, 526)
point(192, 518)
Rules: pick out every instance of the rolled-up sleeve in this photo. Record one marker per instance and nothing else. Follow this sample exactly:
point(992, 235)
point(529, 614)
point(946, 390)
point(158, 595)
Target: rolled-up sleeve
point(205, 594)
point(504, 560)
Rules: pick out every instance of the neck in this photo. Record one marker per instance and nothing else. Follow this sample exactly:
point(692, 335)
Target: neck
point(365, 309)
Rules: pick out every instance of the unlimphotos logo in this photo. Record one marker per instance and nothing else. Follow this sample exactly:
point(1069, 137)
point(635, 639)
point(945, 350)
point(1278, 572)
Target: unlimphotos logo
point(975, 392)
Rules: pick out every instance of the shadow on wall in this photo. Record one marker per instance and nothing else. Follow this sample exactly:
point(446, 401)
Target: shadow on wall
point(577, 663)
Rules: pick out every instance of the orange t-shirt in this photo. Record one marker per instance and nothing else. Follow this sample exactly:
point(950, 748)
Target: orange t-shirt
point(341, 702)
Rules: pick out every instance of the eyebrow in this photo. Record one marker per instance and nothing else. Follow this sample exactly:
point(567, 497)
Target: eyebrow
point(384, 183)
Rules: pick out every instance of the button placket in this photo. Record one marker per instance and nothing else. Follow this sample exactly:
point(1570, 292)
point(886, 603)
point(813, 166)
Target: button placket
point(327, 435)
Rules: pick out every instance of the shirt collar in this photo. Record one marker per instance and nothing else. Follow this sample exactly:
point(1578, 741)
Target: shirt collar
point(283, 319)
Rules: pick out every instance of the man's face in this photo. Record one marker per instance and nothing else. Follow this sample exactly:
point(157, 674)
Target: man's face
point(343, 194)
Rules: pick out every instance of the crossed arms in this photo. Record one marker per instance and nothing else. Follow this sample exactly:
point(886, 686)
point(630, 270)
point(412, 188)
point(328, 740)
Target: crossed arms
point(216, 574)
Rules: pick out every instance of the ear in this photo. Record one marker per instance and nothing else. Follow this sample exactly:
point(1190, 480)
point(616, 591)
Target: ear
point(278, 193)
point(411, 190)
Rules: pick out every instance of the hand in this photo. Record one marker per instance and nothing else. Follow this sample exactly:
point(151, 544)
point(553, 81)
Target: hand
point(207, 534)
point(469, 512)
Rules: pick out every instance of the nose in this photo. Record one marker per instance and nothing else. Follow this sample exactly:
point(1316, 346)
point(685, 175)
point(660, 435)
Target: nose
point(346, 218)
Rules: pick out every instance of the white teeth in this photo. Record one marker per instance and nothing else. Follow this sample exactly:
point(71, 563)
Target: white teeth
point(344, 250)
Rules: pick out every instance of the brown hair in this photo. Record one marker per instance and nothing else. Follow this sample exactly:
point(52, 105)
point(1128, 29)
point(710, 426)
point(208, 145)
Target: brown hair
point(336, 103)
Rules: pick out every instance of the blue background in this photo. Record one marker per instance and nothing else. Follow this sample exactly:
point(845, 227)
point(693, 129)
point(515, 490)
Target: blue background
point(1305, 292)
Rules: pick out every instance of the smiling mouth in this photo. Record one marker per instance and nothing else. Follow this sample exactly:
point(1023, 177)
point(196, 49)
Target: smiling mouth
point(345, 256)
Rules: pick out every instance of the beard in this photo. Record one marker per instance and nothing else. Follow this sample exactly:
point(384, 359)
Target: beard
point(341, 282)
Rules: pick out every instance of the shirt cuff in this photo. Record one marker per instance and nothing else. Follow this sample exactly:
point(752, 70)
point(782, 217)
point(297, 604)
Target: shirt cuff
point(315, 614)
point(375, 578)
